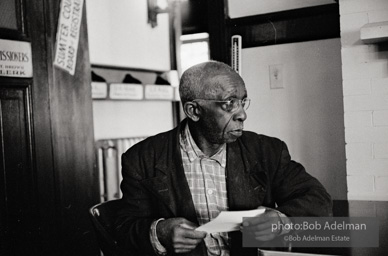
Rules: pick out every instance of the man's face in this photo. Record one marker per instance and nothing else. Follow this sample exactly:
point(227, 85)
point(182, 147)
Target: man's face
point(217, 124)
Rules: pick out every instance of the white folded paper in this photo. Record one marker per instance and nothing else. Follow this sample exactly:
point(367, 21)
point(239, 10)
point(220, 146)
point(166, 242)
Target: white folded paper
point(228, 221)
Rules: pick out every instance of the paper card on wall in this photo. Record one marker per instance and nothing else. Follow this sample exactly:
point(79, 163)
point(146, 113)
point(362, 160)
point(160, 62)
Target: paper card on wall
point(159, 92)
point(99, 90)
point(126, 91)
point(69, 24)
point(15, 58)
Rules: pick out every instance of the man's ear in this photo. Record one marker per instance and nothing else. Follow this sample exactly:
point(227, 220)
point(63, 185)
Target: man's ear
point(192, 110)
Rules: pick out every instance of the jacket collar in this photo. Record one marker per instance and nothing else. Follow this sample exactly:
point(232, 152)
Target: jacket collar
point(172, 187)
point(172, 178)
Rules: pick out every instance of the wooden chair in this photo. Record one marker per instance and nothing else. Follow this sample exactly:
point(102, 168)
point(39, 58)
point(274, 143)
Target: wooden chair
point(103, 216)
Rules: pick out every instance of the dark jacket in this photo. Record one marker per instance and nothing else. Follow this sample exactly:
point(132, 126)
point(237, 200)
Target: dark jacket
point(259, 171)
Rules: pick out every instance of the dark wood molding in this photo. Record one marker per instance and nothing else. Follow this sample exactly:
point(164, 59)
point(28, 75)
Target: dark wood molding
point(20, 10)
point(21, 33)
point(64, 139)
point(11, 34)
point(43, 151)
point(19, 218)
point(71, 116)
point(305, 24)
point(111, 67)
point(219, 35)
point(298, 25)
point(194, 15)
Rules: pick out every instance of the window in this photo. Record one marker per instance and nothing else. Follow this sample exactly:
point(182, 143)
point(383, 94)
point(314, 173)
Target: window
point(194, 49)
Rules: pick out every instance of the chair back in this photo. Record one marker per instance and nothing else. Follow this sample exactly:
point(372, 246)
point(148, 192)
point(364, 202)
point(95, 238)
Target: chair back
point(103, 217)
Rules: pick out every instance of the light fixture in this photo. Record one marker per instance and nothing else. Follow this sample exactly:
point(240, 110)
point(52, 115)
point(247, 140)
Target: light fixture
point(154, 8)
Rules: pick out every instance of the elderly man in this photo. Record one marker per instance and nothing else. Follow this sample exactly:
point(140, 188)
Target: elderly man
point(178, 180)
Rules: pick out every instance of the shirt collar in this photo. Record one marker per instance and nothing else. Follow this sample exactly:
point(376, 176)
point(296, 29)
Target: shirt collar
point(193, 152)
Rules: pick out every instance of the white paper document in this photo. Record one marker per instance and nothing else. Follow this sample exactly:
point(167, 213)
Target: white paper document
point(228, 221)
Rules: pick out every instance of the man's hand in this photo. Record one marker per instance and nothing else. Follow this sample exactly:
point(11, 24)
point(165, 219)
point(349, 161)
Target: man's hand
point(260, 227)
point(178, 234)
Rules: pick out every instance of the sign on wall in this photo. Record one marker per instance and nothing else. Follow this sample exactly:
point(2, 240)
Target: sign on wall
point(15, 58)
point(68, 35)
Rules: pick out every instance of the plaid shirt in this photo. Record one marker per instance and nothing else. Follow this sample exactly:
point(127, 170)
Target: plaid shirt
point(207, 183)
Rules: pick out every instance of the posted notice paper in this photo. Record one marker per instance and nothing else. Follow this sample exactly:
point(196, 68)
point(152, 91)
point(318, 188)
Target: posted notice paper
point(228, 221)
point(68, 35)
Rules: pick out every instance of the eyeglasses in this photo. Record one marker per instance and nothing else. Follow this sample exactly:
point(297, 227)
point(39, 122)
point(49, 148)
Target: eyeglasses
point(232, 104)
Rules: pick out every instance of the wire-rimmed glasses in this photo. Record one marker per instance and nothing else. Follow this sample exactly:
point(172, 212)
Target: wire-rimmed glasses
point(232, 104)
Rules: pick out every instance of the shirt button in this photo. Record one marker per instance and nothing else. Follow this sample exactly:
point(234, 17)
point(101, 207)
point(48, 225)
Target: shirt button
point(210, 191)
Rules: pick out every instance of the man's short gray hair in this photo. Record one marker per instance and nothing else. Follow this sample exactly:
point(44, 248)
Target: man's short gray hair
point(196, 80)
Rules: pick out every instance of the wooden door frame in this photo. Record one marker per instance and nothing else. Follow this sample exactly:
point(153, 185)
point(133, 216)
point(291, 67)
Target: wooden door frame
point(62, 134)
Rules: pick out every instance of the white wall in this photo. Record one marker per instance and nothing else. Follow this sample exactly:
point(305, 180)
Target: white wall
point(241, 8)
point(365, 86)
point(308, 113)
point(119, 35)
point(123, 119)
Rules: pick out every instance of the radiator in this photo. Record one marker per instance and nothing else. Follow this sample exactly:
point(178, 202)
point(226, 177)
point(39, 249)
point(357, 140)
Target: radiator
point(109, 153)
